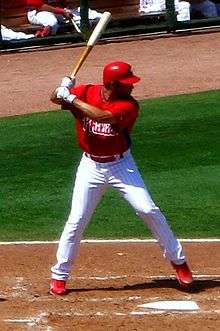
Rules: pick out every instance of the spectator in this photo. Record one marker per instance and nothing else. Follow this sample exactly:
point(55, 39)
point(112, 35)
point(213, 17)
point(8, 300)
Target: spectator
point(151, 6)
point(203, 8)
point(39, 12)
point(217, 4)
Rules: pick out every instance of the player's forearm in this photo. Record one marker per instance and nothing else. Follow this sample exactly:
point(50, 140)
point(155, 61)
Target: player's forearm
point(70, 101)
point(55, 10)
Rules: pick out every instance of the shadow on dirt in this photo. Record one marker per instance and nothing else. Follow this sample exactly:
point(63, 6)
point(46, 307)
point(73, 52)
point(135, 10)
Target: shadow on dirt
point(198, 286)
point(2, 299)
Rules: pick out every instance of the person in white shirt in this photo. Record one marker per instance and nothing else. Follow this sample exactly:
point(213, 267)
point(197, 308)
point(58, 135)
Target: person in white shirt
point(152, 6)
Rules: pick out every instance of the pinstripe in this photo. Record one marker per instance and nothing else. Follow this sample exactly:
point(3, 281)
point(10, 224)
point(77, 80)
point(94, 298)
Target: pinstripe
point(101, 136)
point(92, 179)
point(133, 189)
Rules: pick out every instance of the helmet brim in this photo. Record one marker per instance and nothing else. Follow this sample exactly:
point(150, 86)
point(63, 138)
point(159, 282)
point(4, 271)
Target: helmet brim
point(130, 80)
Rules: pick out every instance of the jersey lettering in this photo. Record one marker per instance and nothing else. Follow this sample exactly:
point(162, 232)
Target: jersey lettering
point(104, 129)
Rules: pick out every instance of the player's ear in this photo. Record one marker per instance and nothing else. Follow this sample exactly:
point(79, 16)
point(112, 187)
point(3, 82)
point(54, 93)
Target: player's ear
point(113, 85)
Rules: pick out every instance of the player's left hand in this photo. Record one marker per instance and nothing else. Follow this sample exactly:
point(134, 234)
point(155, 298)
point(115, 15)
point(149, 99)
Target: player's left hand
point(68, 82)
point(67, 13)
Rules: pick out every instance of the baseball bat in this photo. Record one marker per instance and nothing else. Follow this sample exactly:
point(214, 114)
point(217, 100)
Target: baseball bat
point(99, 28)
point(75, 25)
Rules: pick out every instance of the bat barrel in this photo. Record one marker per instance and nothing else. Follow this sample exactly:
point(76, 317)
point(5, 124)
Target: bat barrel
point(100, 27)
point(96, 33)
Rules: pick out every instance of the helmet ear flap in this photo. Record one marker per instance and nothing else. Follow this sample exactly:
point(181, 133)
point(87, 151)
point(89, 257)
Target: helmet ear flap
point(112, 84)
point(107, 84)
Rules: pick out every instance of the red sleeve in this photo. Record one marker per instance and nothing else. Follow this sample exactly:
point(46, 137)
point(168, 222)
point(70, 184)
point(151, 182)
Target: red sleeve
point(58, 10)
point(80, 91)
point(34, 3)
point(125, 112)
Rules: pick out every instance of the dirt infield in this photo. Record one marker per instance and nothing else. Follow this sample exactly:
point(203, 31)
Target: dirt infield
point(109, 281)
point(167, 66)
point(107, 286)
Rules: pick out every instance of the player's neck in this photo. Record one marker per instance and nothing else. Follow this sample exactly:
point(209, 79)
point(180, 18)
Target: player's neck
point(106, 94)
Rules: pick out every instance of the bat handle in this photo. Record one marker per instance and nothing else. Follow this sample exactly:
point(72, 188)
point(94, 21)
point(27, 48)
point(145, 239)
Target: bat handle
point(81, 60)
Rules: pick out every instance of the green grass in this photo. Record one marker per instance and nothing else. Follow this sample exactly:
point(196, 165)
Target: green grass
point(176, 146)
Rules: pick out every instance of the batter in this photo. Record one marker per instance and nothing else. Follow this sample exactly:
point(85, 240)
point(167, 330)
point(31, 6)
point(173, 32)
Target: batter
point(105, 115)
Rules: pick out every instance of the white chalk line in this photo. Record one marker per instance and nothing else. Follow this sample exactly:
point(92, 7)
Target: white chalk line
point(33, 321)
point(41, 319)
point(19, 290)
point(114, 299)
point(160, 312)
point(104, 313)
point(30, 321)
point(155, 277)
point(103, 241)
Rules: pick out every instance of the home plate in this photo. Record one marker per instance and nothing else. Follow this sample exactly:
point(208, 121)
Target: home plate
point(171, 305)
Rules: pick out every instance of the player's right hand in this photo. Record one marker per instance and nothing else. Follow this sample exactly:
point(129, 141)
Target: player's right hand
point(62, 93)
point(68, 82)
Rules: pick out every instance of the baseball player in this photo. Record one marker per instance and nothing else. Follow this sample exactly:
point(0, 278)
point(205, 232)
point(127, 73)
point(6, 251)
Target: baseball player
point(40, 13)
point(105, 115)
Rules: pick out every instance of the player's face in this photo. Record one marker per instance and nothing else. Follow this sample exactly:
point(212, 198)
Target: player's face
point(124, 90)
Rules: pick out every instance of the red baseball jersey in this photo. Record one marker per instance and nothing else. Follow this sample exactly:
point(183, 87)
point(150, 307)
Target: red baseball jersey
point(104, 139)
point(34, 3)
point(30, 3)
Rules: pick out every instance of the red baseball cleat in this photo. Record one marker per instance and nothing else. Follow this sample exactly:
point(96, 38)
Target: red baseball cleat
point(44, 32)
point(38, 33)
point(183, 274)
point(57, 287)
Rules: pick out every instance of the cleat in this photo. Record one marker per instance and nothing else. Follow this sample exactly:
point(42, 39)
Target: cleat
point(44, 32)
point(183, 274)
point(57, 287)
point(38, 33)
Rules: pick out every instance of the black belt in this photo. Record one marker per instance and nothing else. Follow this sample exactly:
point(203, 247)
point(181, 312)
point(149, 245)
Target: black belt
point(104, 159)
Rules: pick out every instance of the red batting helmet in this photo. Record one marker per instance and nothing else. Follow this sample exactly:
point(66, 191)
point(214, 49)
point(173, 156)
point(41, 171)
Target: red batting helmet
point(120, 72)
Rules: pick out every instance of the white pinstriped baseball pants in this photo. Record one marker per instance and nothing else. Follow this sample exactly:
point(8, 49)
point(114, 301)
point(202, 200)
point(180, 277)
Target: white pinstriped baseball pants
point(92, 179)
point(44, 18)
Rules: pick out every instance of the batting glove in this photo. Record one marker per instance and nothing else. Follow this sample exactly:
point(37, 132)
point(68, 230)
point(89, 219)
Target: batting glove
point(68, 82)
point(64, 94)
